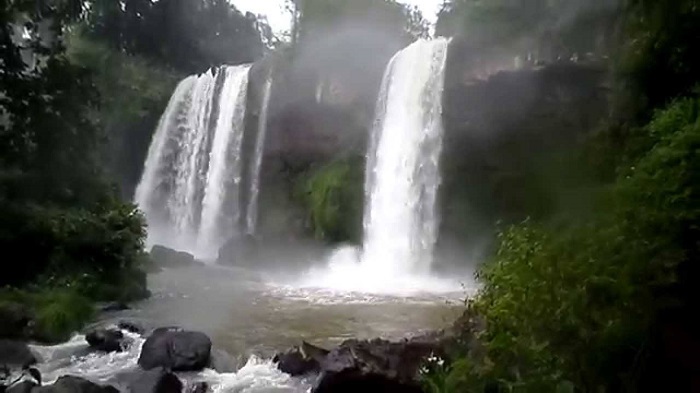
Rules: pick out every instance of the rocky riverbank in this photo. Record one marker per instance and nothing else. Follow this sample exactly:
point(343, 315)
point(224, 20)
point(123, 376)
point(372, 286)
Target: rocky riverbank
point(168, 356)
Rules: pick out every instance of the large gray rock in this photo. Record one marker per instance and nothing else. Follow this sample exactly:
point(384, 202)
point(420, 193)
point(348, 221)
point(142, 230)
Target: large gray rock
point(364, 366)
point(239, 251)
point(374, 366)
point(105, 340)
point(301, 360)
point(167, 257)
point(176, 349)
point(15, 354)
point(70, 384)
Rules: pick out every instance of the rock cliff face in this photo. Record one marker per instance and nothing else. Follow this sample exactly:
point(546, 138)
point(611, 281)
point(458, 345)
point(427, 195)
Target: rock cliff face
point(496, 120)
point(321, 108)
point(514, 139)
point(507, 132)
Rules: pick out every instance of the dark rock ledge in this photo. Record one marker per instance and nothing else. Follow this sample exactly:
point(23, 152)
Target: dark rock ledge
point(363, 365)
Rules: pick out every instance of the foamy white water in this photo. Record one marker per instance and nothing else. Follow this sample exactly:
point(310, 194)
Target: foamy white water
point(345, 273)
point(189, 189)
point(74, 358)
point(402, 179)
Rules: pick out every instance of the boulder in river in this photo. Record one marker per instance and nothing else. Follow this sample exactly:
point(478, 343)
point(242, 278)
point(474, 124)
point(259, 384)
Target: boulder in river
point(70, 384)
point(131, 326)
point(15, 354)
point(301, 360)
point(176, 349)
point(167, 257)
point(156, 380)
point(374, 366)
point(105, 340)
point(239, 251)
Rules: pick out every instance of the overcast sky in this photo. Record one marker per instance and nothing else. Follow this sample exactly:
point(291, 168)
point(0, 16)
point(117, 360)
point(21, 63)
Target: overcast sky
point(280, 20)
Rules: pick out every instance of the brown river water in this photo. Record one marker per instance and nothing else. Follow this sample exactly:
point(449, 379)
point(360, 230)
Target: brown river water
point(250, 316)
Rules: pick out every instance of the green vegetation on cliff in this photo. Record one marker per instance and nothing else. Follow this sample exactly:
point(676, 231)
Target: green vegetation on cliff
point(332, 195)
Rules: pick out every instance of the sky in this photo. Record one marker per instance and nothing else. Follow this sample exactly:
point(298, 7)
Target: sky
point(280, 20)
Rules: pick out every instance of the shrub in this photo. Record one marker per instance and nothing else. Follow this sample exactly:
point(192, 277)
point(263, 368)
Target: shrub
point(578, 306)
point(333, 198)
point(59, 313)
point(46, 315)
point(95, 251)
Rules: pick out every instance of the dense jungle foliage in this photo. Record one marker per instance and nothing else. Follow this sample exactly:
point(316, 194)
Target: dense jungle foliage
point(604, 302)
point(82, 86)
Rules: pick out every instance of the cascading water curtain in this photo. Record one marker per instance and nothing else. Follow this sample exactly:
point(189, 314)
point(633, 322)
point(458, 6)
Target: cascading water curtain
point(400, 215)
point(190, 188)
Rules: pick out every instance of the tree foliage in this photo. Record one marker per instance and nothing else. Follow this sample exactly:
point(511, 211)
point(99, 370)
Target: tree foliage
point(189, 35)
point(559, 28)
point(316, 17)
point(60, 216)
point(659, 62)
point(586, 304)
point(134, 91)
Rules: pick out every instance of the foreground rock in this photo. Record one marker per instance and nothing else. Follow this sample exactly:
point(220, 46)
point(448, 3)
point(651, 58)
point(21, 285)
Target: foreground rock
point(70, 384)
point(167, 257)
point(176, 350)
point(301, 360)
point(156, 380)
point(364, 366)
point(239, 251)
point(15, 354)
point(105, 340)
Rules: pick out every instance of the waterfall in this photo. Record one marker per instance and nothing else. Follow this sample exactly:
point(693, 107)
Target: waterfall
point(402, 179)
point(252, 209)
point(224, 177)
point(189, 188)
